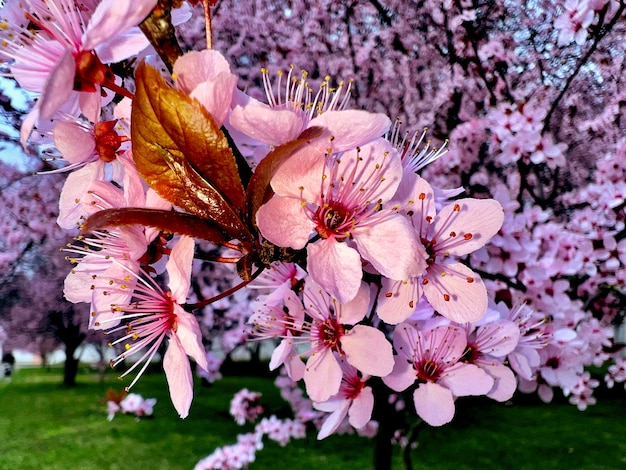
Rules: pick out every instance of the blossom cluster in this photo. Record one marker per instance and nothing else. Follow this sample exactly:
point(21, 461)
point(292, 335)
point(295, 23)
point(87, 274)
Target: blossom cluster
point(373, 277)
point(128, 403)
point(243, 453)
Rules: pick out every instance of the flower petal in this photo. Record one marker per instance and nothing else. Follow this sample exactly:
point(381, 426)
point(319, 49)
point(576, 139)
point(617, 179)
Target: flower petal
point(190, 336)
point(397, 300)
point(368, 350)
point(322, 376)
point(351, 128)
point(392, 247)
point(179, 377)
point(179, 268)
point(336, 267)
point(466, 225)
point(434, 403)
point(456, 292)
point(112, 17)
point(284, 222)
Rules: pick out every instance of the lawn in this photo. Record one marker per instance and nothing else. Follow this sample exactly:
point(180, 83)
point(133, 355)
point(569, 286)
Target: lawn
point(46, 426)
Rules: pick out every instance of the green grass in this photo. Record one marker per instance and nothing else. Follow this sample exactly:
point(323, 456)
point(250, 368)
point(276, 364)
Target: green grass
point(46, 426)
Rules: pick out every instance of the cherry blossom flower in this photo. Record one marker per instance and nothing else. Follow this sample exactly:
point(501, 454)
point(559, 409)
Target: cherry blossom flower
point(354, 400)
point(574, 22)
point(157, 314)
point(244, 406)
point(460, 228)
point(288, 114)
point(338, 207)
point(59, 58)
point(281, 321)
point(334, 335)
point(487, 347)
point(433, 359)
point(205, 75)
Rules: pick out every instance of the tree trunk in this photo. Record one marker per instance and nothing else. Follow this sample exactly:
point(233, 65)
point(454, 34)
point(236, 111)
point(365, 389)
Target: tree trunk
point(385, 414)
point(70, 369)
point(383, 448)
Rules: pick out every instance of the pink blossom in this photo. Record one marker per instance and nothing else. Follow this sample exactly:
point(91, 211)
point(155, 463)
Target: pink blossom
point(461, 227)
point(158, 314)
point(60, 55)
point(354, 400)
point(487, 347)
point(288, 114)
point(574, 22)
point(336, 207)
point(205, 75)
point(244, 406)
point(432, 358)
point(334, 335)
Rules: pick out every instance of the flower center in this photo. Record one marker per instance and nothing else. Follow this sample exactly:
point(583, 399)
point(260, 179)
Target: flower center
point(330, 333)
point(333, 220)
point(427, 371)
point(107, 140)
point(90, 72)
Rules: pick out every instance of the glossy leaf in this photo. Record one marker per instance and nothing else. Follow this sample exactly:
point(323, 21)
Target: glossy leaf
point(259, 190)
point(167, 221)
point(183, 155)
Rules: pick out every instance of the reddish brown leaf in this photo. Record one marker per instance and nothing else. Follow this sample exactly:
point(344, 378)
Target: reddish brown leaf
point(175, 141)
point(167, 221)
point(259, 190)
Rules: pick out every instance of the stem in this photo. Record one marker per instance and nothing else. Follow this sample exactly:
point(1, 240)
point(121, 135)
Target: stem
point(226, 293)
point(159, 30)
point(207, 4)
point(114, 87)
point(603, 30)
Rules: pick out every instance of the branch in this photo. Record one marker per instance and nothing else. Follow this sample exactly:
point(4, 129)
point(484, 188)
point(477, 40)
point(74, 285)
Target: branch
point(159, 30)
point(602, 32)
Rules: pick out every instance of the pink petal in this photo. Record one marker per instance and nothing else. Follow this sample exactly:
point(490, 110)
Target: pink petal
point(33, 65)
point(75, 143)
point(336, 267)
point(190, 336)
point(392, 246)
point(339, 410)
point(179, 376)
point(179, 268)
point(376, 165)
point(398, 300)
point(434, 404)
point(281, 352)
point(466, 379)
point(505, 382)
point(351, 128)
point(284, 222)
point(58, 88)
point(90, 104)
point(270, 126)
point(498, 338)
point(70, 208)
point(322, 376)
point(216, 96)
point(368, 350)
point(122, 46)
point(471, 221)
point(402, 376)
point(416, 197)
point(360, 412)
point(300, 176)
point(354, 311)
point(106, 295)
point(196, 67)
point(113, 17)
point(458, 295)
